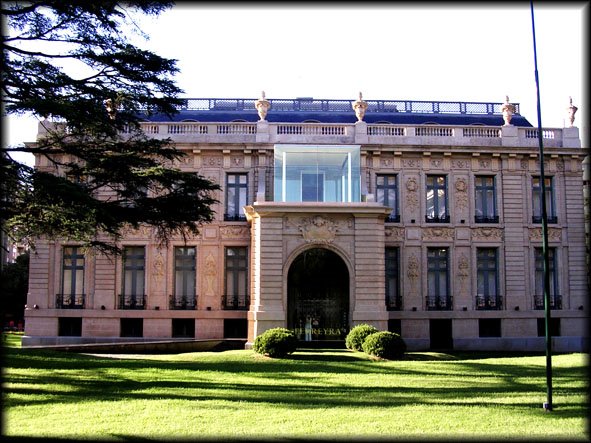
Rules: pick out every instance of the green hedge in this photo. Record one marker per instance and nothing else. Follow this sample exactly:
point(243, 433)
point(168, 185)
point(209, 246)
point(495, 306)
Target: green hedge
point(276, 342)
point(356, 336)
point(384, 344)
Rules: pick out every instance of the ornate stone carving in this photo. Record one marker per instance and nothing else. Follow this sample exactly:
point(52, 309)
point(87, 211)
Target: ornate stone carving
point(463, 271)
point(412, 271)
point(459, 164)
point(158, 267)
point(524, 164)
point(317, 229)
point(386, 162)
point(234, 231)
point(412, 200)
point(212, 161)
point(262, 106)
point(210, 274)
point(411, 163)
point(554, 234)
point(461, 193)
point(438, 233)
point(485, 164)
point(436, 163)
point(508, 110)
point(495, 234)
point(359, 106)
point(571, 112)
point(395, 233)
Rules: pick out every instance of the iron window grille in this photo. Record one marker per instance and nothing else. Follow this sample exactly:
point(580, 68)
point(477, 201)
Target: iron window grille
point(236, 273)
point(132, 301)
point(438, 294)
point(487, 280)
point(70, 301)
point(182, 302)
point(393, 298)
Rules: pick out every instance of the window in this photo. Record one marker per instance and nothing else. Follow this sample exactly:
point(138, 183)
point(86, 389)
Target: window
point(184, 279)
point(395, 325)
point(489, 327)
point(132, 327)
point(487, 296)
point(438, 296)
point(485, 204)
point(235, 328)
point(387, 194)
point(554, 327)
point(236, 293)
point(69, 326)
point(393, 299)
point(312, 187)
point(236, 195)
point(183, 327)
point(72, 295)
point(437, 199)
point(555, 298)
point(133, 278)
point(537, 200)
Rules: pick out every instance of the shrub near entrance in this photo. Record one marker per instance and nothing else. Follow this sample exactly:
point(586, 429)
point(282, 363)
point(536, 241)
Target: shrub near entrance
point(384, 344)
point(275, 342)
point(356, 336)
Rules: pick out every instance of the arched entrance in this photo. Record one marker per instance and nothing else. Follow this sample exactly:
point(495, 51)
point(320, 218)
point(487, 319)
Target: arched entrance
point(318, 296)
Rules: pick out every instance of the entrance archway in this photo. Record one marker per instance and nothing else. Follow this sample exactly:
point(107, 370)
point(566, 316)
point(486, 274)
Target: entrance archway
point(318, 296)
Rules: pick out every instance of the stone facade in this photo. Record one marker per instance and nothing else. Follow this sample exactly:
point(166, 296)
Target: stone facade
point(275, 233)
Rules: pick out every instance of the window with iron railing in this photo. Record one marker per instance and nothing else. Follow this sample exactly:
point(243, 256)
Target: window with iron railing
point(185, 265)
point(554, 298)
point(72, 295)
point(438, 294)
point(393, 298)
point(236, 272)
point(487, 287)
point(133, 296)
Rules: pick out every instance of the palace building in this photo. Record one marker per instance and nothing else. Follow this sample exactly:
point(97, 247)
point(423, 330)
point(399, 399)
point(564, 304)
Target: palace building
point(422, 218)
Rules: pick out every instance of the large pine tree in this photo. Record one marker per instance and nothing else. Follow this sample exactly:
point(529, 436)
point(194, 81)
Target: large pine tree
point(71, 65)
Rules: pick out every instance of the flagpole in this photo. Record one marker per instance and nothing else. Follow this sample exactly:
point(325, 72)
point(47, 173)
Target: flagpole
point(548, 404)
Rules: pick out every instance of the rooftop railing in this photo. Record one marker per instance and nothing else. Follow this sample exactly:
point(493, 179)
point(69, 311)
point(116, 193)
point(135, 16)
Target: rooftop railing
point(327, 105)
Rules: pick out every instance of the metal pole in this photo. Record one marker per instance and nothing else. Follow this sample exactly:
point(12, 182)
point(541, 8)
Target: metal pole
point(548, 404)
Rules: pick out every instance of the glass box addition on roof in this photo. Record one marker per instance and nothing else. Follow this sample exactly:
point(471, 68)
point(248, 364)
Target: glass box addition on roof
point(317, 173)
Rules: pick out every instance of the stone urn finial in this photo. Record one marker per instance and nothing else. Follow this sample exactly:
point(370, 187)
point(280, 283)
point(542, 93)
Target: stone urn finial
point(508, 110)
point(359, 107)
point(571, 112)
point(262, 106)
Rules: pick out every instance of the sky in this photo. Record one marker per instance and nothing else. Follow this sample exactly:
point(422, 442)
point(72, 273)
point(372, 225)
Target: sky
point(478, 52)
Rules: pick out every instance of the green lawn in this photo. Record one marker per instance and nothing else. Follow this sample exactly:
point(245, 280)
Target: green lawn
point(314, 394)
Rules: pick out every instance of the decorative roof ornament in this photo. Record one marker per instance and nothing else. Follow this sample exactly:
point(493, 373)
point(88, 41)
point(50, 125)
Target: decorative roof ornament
point(262, 105)
point(359, 106)
point(571, 112)
point(508, 110)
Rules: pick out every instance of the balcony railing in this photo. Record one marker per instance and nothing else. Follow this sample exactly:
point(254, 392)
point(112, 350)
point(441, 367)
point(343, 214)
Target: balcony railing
point(234, 217)
point(393, 218)
point(489, 302)
point(552, 219)
point(183, 302)
point(236, 302)
point(555, 302)
point(394, 303)
point(135, 301)
point(70, 301)
point(437, 219)
point(486, 219)
point(438, 303)
point(332, 105)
